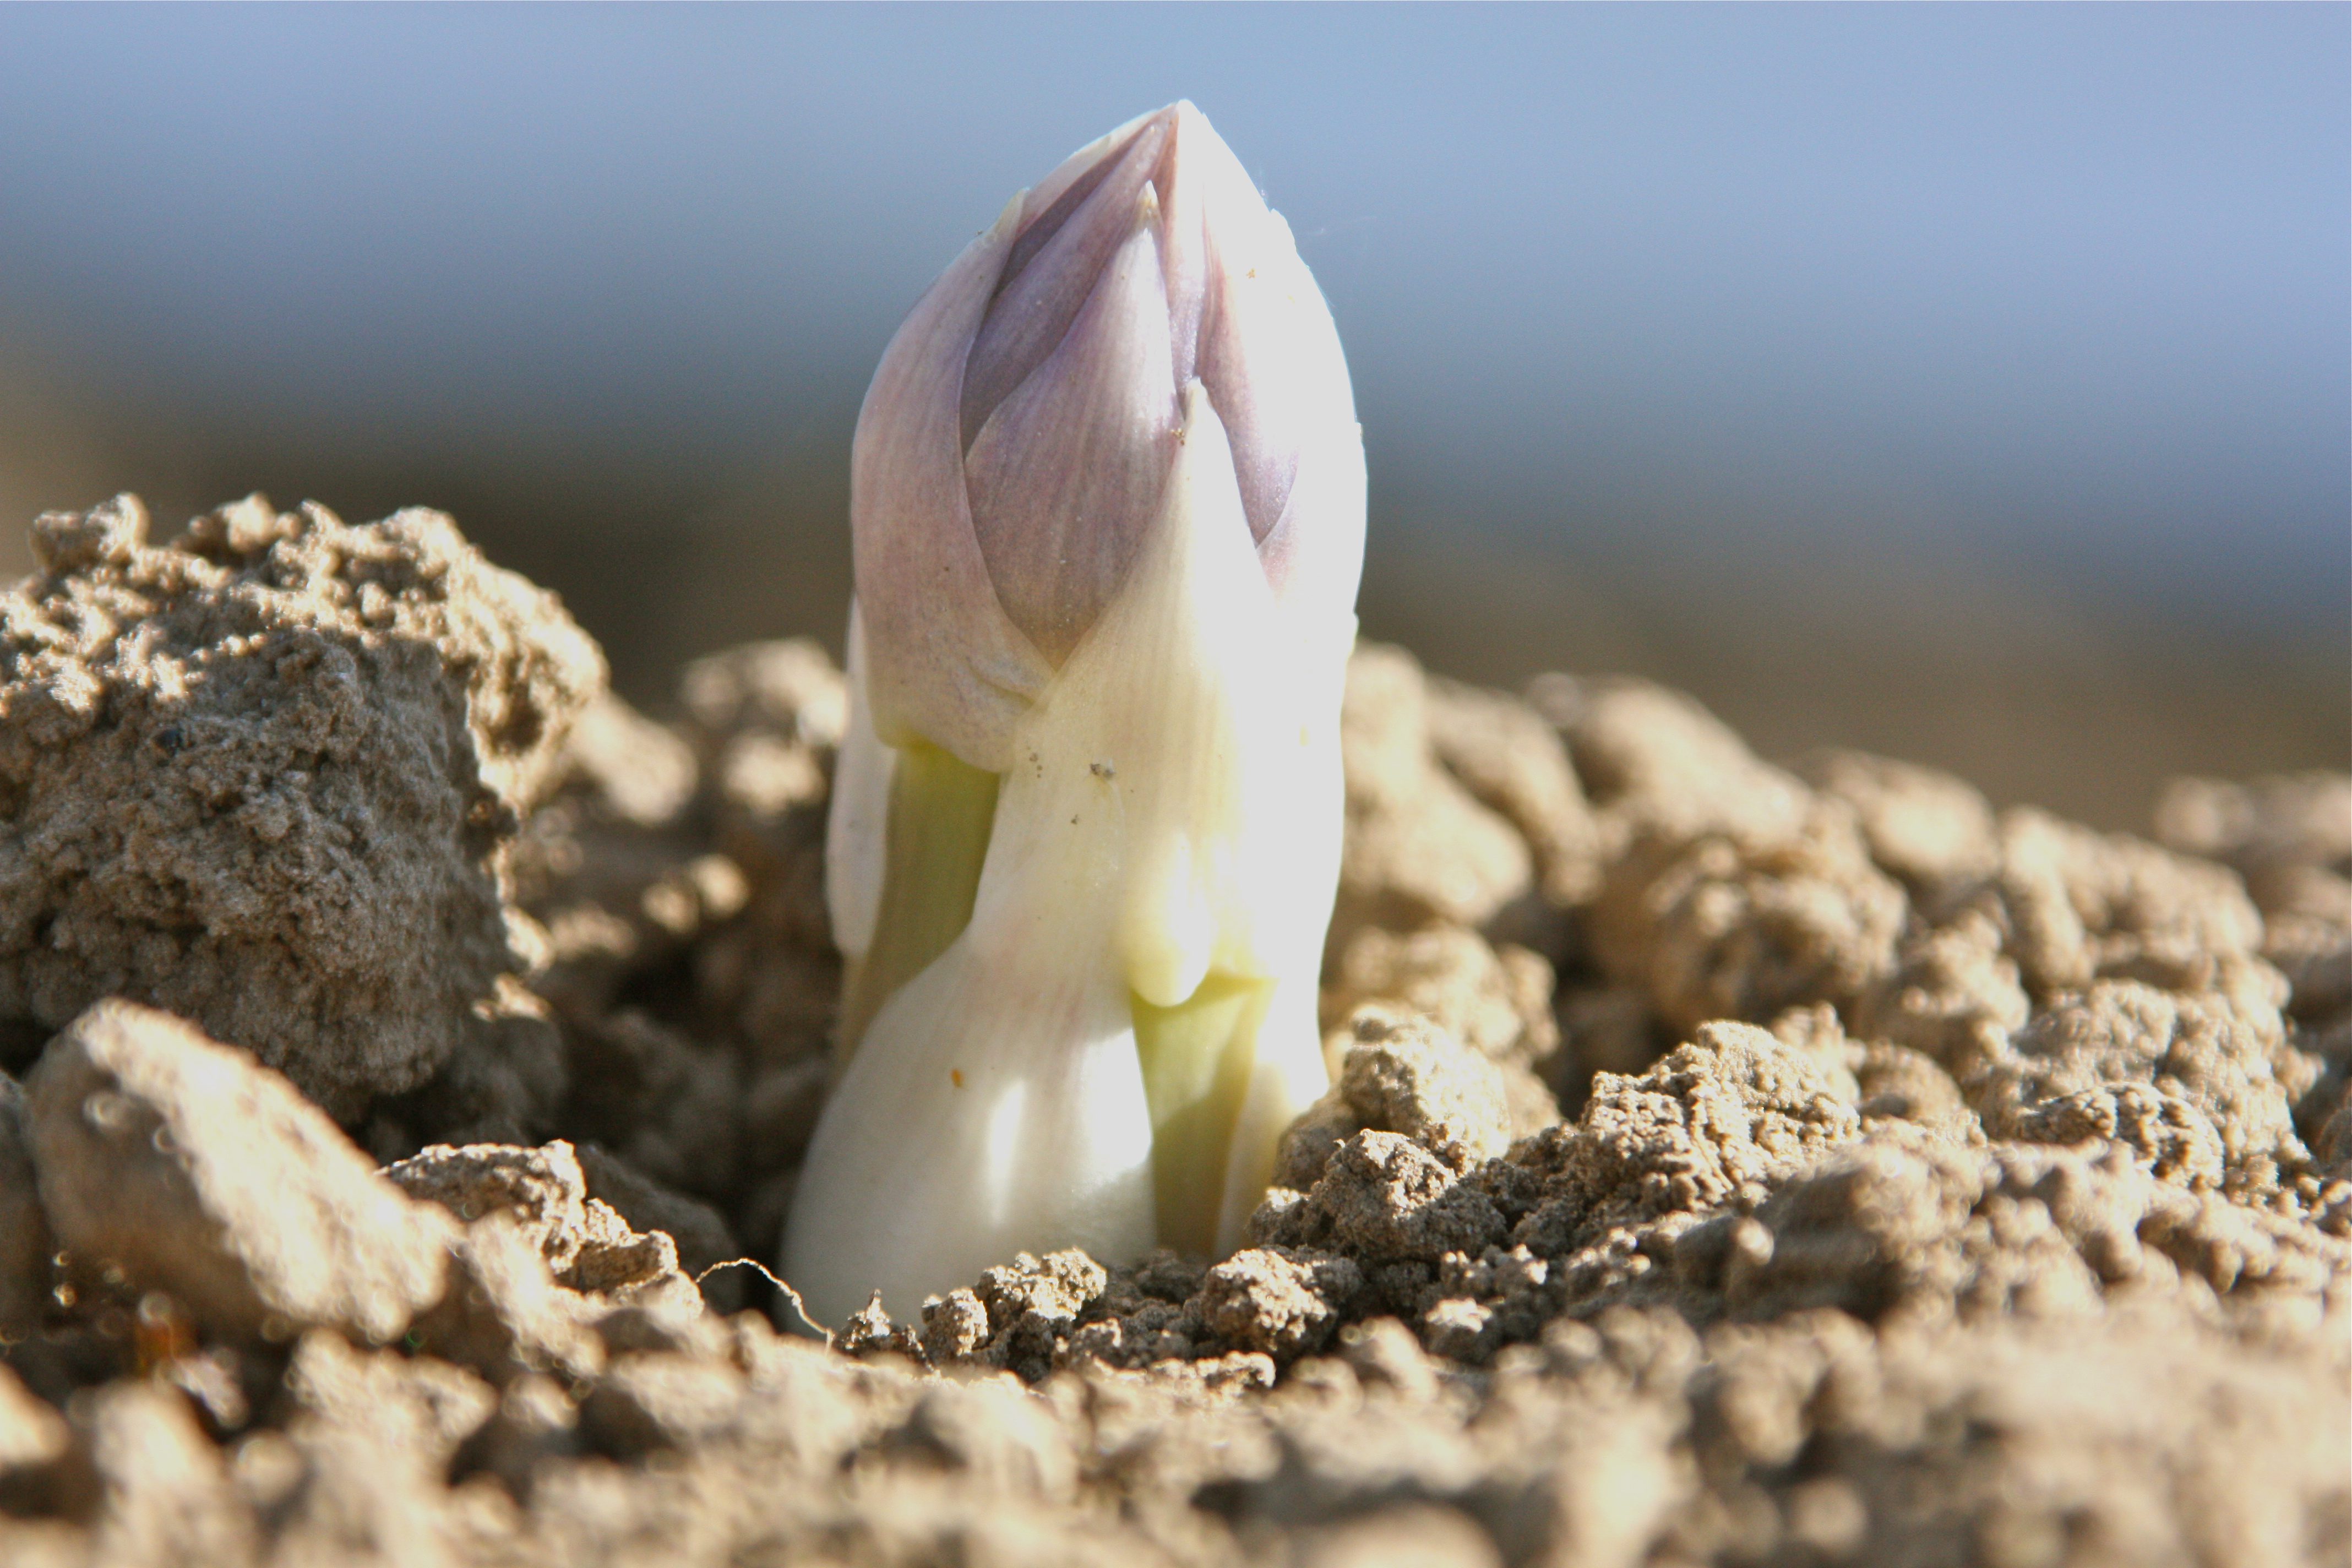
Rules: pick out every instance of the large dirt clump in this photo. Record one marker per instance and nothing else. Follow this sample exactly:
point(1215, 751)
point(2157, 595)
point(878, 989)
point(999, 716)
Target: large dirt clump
point(263, 775)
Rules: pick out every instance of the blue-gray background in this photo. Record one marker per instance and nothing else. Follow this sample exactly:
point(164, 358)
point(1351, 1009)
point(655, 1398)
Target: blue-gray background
point(1971, 384)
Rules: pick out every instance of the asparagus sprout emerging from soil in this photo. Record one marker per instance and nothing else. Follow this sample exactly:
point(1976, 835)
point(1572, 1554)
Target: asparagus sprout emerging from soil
point(1107, 498)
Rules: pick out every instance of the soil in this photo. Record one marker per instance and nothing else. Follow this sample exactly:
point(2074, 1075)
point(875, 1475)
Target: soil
point(1725, 1162)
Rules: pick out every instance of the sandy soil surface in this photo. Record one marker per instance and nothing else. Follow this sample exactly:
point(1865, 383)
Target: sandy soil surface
point(1725, 1162)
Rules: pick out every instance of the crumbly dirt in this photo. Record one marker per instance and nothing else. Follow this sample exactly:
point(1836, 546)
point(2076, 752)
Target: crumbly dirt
point(1725, 1163)
point(263, 775)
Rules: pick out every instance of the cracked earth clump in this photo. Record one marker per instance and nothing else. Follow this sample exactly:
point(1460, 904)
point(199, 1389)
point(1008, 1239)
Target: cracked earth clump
point(263, 773)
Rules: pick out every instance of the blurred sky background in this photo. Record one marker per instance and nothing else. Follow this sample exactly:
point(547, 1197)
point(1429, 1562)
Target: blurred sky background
point(1968, 384)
